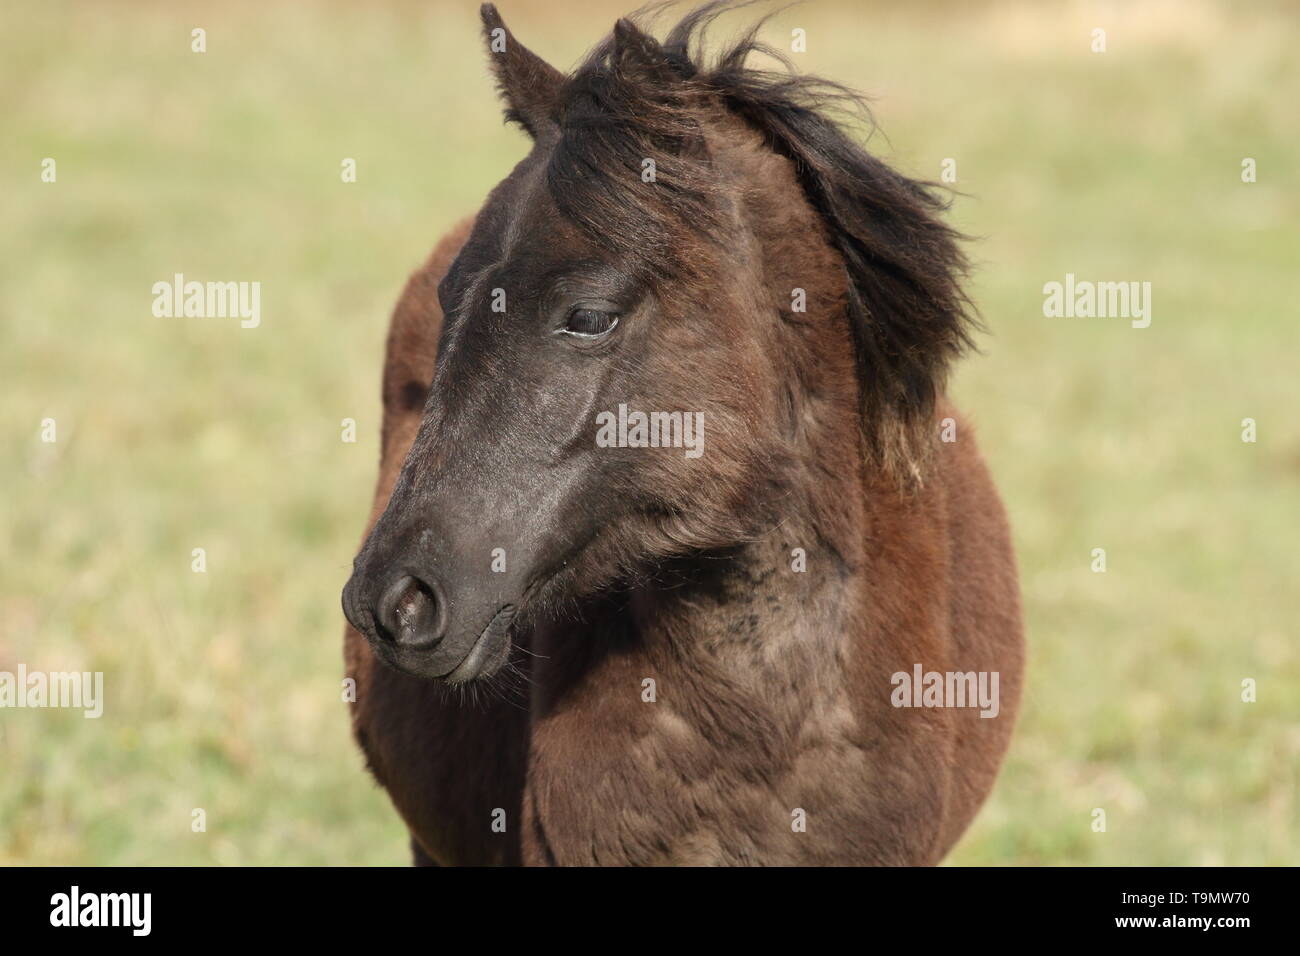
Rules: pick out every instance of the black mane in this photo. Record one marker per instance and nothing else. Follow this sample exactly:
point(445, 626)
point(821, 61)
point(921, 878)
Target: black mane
point(635, 98)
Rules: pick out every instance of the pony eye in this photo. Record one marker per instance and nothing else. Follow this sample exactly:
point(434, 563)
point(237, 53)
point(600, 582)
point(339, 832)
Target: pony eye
point(590, 322)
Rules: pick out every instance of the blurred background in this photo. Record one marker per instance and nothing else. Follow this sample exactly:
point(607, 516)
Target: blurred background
point(223, 688)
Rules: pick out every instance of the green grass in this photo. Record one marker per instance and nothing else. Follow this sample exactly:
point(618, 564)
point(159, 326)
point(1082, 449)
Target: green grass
point(223, 688)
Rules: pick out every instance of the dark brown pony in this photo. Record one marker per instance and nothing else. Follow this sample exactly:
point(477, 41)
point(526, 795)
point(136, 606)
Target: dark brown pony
point(576, 649)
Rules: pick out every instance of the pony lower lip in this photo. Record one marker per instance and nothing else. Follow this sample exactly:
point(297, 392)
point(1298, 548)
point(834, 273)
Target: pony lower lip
point(493, 638)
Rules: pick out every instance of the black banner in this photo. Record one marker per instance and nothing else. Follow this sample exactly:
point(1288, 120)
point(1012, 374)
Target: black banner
point(338, 905)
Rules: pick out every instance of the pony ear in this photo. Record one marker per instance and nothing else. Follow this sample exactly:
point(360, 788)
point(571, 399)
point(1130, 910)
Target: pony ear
point(633, 52)
point(529, 85)
point(639, 60)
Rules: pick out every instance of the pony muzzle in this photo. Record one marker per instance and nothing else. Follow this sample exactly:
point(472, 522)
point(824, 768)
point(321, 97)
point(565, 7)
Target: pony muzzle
point(411, 627)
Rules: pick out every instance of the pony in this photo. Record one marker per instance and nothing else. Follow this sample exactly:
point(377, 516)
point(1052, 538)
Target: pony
point(574, 651)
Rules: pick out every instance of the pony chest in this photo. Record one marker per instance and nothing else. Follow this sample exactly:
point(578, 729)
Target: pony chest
point(672, 787)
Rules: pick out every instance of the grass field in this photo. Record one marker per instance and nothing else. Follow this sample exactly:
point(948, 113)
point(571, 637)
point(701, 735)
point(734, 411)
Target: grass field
point(223, 687)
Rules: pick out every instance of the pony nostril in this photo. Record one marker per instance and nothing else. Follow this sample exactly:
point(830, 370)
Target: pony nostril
point(409, 613)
